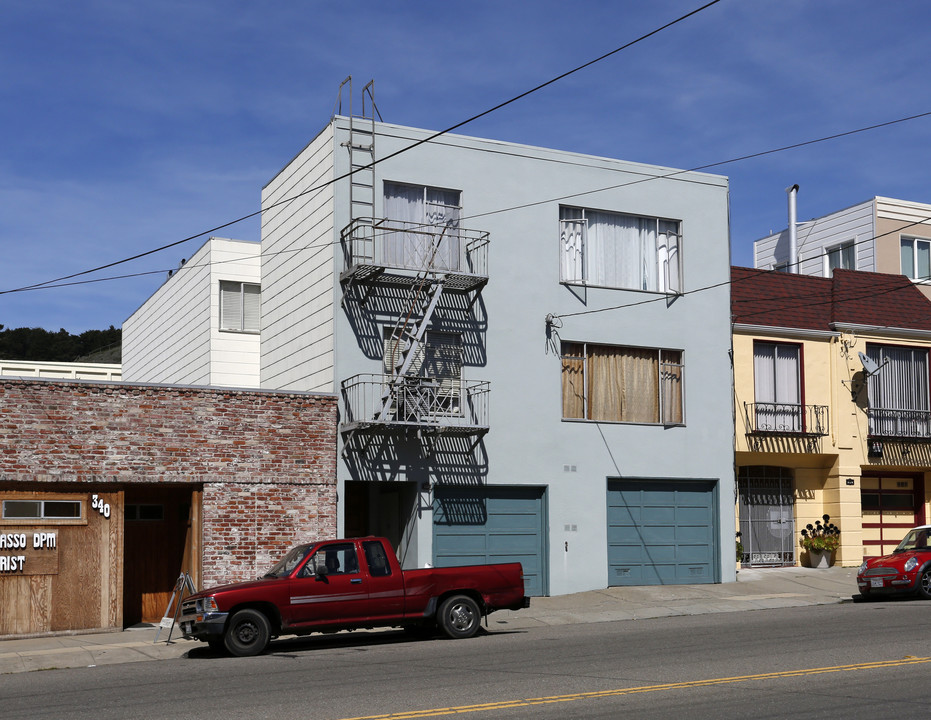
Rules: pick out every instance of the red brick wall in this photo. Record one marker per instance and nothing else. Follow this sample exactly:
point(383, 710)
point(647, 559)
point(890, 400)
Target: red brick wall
point(266, 460)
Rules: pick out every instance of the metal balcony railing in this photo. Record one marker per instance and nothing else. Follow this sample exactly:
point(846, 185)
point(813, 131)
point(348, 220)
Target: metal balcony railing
point(373, 247)
point(786, 419)
point(889, 423)
point(431, 403)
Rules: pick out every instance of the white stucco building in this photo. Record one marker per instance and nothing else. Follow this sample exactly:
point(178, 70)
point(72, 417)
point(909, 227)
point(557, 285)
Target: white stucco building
point(529, 362)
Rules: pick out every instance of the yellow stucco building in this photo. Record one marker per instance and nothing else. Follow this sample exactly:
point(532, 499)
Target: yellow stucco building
point(831, 391)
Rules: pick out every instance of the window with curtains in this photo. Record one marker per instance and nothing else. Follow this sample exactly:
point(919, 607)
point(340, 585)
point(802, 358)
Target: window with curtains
point(240, 306)
point(421, 227)
point(898, 392)
point(610, 383)
point(916, 257)
point(777, 387)
point(438, 363)
point(612, 250)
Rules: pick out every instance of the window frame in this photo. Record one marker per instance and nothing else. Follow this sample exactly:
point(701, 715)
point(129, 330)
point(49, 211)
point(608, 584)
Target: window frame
point(913, 241)
point(31, 497)
point(798, 350)
point(667, 281)
point(667, 369)
point(226, 291)
point(840, 249)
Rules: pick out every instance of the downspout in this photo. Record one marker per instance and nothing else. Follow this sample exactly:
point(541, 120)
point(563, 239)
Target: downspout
point(793, 233)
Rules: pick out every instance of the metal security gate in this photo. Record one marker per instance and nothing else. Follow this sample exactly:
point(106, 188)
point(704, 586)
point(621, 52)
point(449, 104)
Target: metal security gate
point(661, 532)
point(492, 525)
point(767, 529)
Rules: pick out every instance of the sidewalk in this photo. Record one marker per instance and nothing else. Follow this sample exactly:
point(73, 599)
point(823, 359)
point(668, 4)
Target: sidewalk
point(755, 589)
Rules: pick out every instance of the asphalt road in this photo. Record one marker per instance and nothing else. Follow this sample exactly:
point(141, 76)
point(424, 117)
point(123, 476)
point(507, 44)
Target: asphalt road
point(848, 660)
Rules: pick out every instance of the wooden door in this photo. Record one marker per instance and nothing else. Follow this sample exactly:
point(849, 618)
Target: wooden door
point(158, 520)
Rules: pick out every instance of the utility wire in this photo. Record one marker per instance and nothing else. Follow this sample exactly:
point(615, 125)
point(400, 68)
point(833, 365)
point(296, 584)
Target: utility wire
point(414, 145)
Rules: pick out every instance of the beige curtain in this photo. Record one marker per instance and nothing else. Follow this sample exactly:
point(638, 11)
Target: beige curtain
point(672, 387)
point(623, 384)
point(573, 381)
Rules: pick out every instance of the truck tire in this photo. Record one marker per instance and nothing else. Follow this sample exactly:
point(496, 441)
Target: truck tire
point(247, 634)
point(459, 617)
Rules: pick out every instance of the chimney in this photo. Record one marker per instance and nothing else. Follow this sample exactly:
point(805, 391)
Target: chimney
point(793, 234)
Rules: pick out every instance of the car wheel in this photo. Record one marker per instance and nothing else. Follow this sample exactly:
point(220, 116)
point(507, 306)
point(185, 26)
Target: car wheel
point(460, 617)
point(924, 584)
point(247, 634)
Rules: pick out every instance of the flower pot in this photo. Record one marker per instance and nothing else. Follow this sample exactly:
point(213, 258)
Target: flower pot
point(819, 558)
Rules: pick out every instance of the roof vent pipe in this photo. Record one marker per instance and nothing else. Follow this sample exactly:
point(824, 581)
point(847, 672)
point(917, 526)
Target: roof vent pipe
point(793, 233)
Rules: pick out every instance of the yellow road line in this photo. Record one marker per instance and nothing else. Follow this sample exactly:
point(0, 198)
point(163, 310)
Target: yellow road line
point(509, 704)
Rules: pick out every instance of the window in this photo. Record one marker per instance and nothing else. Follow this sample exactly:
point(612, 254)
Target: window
point(611, 250)
point(422, 227)
point(376, 559)
point(438, 361)
point(41, 509)
point(622, 384)
point(338, 559)
point(916, 258)
point(777, 387)
point(240, 306)
point(144, 512)
point(840, 256)
point(898, 392)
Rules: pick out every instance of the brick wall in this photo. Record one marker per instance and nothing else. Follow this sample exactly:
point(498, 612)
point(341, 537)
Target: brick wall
point(266, 460)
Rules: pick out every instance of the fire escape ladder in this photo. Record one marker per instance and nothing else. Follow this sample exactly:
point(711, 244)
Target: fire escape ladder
point(406, 342)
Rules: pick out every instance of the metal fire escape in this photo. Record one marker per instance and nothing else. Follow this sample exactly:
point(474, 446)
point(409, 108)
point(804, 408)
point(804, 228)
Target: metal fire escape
point(437, 259)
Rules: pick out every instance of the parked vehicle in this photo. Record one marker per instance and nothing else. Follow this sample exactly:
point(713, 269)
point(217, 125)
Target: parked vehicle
point(906, 570)
point(344, 585)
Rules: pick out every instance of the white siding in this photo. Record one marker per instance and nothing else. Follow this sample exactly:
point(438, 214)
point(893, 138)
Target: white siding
point(299, 242)
point(174, 337)
point(815, 237)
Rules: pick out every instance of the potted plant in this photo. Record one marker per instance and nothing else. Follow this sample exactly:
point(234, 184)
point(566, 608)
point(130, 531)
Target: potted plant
point(740, 550)
point(821, 540)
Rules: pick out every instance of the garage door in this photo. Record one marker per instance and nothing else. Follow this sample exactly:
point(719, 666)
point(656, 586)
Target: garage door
point(661, 532)
point(491, 525)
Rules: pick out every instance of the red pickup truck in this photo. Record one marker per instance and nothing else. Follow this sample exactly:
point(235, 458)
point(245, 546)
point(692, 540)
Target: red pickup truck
point(345, 585)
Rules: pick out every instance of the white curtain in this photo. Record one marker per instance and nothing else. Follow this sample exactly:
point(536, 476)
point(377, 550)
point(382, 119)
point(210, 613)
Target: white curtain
point(403, 209)
point(776, 387)
point(619, 251)
point(898, 392)
point(571, 245)
point(426, 227)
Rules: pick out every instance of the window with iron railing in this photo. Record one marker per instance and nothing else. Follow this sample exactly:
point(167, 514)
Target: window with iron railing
point(899, 392)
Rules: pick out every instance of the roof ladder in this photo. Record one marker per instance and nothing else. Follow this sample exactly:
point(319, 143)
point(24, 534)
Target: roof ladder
point(361, 146)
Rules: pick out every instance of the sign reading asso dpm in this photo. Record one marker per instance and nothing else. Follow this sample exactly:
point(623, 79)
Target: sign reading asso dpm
point(34, 553)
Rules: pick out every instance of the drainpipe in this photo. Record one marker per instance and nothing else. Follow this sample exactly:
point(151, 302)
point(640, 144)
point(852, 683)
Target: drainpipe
point(793, 234)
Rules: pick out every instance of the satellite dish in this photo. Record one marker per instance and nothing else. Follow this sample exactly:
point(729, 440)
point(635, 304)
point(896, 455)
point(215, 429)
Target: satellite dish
point(868, 364)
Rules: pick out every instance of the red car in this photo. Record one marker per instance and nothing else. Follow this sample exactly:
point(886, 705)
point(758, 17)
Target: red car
point(906, 570)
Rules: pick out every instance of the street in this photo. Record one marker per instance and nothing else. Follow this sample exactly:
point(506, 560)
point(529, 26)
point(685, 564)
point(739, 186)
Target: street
point(848, 660)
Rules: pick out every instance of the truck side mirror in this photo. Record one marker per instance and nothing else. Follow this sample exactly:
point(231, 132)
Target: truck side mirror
point(320, 568)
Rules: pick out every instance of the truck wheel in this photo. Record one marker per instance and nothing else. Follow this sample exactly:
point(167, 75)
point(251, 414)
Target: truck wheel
point(247, 634)
point(460, 617)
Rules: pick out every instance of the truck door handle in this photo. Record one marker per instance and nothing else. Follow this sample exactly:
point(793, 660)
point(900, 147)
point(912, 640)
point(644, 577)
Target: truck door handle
point(356, 581)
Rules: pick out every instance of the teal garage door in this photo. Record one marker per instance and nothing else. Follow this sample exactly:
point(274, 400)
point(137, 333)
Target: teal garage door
point(661, 532)
point(491, 525)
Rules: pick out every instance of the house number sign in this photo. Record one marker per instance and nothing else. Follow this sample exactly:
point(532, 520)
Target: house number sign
point(100, 506)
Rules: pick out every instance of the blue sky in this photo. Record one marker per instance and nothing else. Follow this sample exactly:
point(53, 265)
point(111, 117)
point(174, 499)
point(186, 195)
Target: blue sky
point(126, 125)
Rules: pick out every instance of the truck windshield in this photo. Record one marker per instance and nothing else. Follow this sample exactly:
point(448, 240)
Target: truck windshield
point(286, 565)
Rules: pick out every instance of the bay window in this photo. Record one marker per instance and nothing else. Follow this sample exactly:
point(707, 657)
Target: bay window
point(898, 392)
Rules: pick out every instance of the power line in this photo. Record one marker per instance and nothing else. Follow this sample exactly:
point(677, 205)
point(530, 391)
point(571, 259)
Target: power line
point(414, 145)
